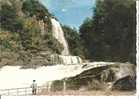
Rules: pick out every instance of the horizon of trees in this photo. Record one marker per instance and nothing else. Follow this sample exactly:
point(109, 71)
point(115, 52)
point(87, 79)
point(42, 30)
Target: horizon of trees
point(110, 35)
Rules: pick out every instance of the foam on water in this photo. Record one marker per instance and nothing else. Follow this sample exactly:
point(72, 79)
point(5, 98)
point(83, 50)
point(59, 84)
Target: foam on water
point(71, 59)
point(14, 77)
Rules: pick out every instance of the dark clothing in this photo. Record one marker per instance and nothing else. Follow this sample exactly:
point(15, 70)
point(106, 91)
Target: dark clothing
point(34, 91)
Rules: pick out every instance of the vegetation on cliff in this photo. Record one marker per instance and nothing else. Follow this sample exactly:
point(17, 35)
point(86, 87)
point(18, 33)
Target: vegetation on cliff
point(25, 32)
point(74, 41)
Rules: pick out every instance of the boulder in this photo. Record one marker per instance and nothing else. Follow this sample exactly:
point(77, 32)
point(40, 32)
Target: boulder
point(97, 76)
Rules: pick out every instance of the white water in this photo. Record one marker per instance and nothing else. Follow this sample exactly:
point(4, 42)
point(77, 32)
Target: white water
point(59, 35)
point(71, 59)
point(14, 77)
point(66, 60)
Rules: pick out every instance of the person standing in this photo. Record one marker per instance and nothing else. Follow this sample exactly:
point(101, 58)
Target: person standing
point(34, 87)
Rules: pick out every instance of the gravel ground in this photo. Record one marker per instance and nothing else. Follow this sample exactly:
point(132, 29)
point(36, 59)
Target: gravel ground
point(89, 93)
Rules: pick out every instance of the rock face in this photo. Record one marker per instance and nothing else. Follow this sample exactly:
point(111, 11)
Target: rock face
point(101, 76)
point(36, 31)
point(26, 30)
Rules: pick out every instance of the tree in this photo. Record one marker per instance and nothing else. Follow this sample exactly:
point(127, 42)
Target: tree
point(74, 41)
point(7, 17)
point(33, 7)
point(86, 34)
point(112, 33)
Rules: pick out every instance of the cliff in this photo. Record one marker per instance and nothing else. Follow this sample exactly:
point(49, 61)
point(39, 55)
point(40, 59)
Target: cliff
point(26, 33)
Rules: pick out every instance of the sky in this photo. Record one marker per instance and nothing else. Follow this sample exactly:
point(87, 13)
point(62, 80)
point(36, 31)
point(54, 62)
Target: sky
point(70, 12)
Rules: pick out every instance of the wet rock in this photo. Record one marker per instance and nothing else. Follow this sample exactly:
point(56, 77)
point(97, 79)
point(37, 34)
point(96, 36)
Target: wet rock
point(97, 76)
point(125, 83)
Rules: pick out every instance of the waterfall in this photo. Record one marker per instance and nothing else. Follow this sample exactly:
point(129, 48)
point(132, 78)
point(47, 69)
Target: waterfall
point(59, 35)
point(14, 77)
point(70, 59)
point(65, 58)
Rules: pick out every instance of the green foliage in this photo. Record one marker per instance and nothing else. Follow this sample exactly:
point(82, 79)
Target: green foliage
point(57, 85)
point(74, 41)
point(21, 32)
point(8, 17)
point(33, 7)
point(30, 35)
point(5, 44)
point(52, 43)
point(110, 34)
point(9, 41)
point(86, 35)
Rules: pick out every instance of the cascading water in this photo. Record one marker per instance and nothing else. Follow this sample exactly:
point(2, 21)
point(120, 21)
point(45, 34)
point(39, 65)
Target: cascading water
point(14, 77)
point(66, 60)
point(71, 59)
point(59, 35)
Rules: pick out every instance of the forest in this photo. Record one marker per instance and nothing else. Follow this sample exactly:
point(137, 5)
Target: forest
point(109, 35)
